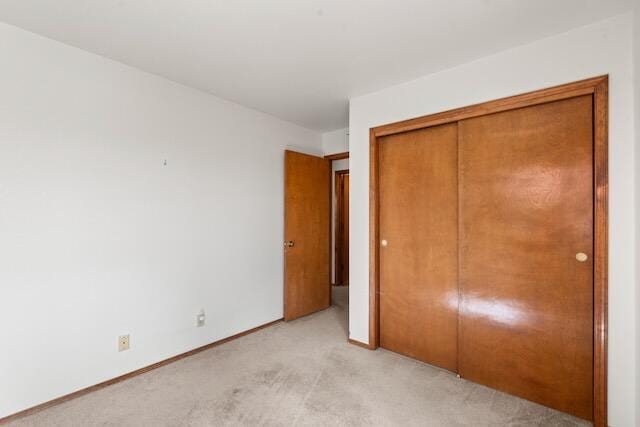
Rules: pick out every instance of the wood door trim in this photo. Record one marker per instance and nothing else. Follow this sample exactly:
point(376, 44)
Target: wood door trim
point(337, 156)
point(598, 88)
point(339, 192)
point(601, 249)
point(330, 284)
point(556, 93)
point(129, 375)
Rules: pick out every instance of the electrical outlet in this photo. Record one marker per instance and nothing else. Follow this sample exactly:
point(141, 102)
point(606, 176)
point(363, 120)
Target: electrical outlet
point(200, 318)
point(123, 342)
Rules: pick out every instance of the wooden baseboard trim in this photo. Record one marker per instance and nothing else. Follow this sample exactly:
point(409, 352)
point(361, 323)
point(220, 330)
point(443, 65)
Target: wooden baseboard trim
point(360, 344)
point(126, 376)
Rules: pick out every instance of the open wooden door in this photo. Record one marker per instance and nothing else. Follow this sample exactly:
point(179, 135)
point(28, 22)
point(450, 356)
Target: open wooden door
point(307, 236)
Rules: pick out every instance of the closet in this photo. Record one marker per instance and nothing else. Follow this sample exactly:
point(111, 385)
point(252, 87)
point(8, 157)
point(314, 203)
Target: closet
point(485, 258)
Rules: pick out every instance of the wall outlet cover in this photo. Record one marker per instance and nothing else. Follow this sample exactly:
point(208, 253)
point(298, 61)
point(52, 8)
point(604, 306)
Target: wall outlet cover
point(200, 319)
point(123, 342)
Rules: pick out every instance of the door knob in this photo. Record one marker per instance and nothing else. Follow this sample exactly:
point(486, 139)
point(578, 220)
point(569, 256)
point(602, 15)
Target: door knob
point(383, 242)
point(289, 244)
point(581, 256)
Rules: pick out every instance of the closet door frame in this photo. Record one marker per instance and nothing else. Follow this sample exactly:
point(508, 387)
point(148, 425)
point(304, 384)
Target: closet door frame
point(598, 88)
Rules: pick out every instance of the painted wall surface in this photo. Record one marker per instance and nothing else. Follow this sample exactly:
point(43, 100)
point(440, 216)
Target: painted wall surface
point(336, 165)
point(336, 141)
point(636, 73)
point(600, 48)
point(101, 238)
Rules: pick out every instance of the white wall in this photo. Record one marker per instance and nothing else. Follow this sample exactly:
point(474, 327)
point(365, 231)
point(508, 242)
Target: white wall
point(589, 51)
point(336, 141)
point(636, 73)
point(336, 165)
point(100, 239)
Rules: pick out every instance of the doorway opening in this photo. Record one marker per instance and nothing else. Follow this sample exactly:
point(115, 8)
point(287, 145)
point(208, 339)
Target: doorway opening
point(340, 236)
point(341, 228)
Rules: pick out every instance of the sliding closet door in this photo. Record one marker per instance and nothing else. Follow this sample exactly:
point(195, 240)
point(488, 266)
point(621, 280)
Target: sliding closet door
point(526, 250)
point(419, 250)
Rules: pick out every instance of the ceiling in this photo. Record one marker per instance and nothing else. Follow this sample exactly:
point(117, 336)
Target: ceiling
point(300, 60)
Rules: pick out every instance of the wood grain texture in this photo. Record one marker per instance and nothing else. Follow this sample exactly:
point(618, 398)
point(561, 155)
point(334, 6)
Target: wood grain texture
point(307, 287)
point(570, 90)
point(341, 238)
point(601, 249)
point(598, 87)
point(418, 186)
point(337, 156)
point(526, 207)
point(374, 239)
point(132, 374)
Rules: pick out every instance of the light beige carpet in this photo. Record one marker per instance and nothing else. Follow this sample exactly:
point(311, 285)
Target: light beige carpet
point(298, 373)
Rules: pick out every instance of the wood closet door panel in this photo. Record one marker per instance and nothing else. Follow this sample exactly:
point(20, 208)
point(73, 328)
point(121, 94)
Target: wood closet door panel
point(419, 264)
point(526, 207)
